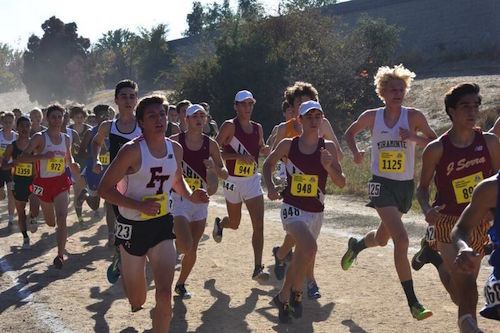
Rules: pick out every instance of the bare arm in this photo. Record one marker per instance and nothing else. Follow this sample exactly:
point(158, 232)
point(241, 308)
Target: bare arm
point(365, 120)
point(97, 142)
point(264, 149)
point(36, 144)
point(331, 164)
point(493, 145)
point(225, 135)
point(6, 157)
point(280, 151)
point(496, 128)
point(329, 134)
point(219, 167)
point(420, 124)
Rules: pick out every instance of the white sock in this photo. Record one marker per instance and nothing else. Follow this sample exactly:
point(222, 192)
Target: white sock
point(467, 324)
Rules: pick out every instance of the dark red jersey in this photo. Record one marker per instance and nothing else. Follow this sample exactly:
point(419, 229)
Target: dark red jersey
point(243, 143)
point(192, 161)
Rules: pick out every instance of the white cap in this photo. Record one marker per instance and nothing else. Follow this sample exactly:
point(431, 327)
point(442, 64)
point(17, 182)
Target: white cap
point(308, 106)
point(192, 109)
point(243, 95)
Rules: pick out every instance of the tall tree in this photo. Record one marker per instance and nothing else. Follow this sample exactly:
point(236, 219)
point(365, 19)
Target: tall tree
point(195, 20)
point(250, 10)
point(55, 66)
point(292, 6)
point(10, 68)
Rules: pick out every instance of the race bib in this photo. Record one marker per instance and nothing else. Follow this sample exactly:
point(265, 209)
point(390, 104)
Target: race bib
point(391, 161)
point(289, 212)
point(430, 233)
point(227, 186)
point(24, 169)
point(492, 292)
point(244, 169)
point(193, 183)
point(304, 185)
point(37, 190)
point(162, 199)
point(463, 187)
point(55, 164)
point(2, 151)
point(104, 158)
point(373, 189)
point(123, 231)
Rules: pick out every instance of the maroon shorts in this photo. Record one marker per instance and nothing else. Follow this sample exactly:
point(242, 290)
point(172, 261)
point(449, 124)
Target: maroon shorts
point(48, 188)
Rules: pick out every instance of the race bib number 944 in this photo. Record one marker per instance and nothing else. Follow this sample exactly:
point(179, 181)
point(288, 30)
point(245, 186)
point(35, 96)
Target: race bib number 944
point(244, 169)
point(193, 183)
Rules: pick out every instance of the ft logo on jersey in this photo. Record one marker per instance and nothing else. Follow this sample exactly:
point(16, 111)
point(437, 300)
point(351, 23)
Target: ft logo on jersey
point(156, 176)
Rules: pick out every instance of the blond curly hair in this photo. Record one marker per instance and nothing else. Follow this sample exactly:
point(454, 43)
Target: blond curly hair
point(386, 74)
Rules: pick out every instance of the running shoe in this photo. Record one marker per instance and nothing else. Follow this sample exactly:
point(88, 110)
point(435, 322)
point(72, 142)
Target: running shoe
point(421, 257)
point(259, 274)
point(313, 291)
point(58, 262)
point(350, 254)
point(217, 232)
point(467, 324)
point(113, 272)
point(33, 225)
point(279, 267)
point(283, 308)
point(419, 312)
point(180, 290)
point(296, 303)
point(84, 195)
point(26, 243)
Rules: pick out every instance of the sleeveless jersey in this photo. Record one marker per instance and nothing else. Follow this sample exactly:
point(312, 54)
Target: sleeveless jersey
point(168, 132)
point(392, 157)
point(459, 170)
point(33, 132)
point(243, 143)
point(117, 139)
point(494, 232)
point(154, 178)
point(89, 162)
point(53, 167)
point(22, 170)
point(299, 163)
point(69, 132)
point(5, 142)
point(192, 163)
point(86, 128)
point(290, 131)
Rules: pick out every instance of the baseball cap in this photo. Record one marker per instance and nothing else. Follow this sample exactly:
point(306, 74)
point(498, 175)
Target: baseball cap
point(192, 109)
point(243, 95)
point(308, 106)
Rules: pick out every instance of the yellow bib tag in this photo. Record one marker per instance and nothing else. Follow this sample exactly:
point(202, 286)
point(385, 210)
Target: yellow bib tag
point(55, 164)
point(104, 158)
point(244, 169)
point(2, 151)
point(193, 183)
point(304, 185)
point(391, 161)
point(162, 199)
point(463, 187)
point(24, 169)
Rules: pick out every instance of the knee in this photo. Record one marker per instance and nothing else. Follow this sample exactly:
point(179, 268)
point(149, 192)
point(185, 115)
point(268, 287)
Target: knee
point(184, 245)
point(401, 241)
point(381, 240)
point(164, 299)
point(233, 223)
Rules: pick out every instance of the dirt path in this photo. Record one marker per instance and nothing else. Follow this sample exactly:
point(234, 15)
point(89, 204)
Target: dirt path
point(35, 297)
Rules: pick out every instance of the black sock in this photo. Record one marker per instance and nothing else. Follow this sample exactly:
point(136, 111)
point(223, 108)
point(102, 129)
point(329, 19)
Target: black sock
point(359, 246)
point(409, 292)
point(25, 234)
point(435, 259)
point(78, 211)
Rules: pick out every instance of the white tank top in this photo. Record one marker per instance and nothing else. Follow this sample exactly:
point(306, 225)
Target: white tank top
point(4, 143)
point(154, 178)
point(70, 134)
point(392, 157)
point(56, 166)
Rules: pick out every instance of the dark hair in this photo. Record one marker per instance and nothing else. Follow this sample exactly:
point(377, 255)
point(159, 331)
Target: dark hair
point(284, 105)
point(453, 95)
point(17, 110)
point(126, 84)
point(101, 108)
point(300, 89)
point(145, 102)
point(8, 114)
point(206, 106)
point(182, 104)
point(21, 119)
point(75, 109)
point(172, 108)
point(55, 107)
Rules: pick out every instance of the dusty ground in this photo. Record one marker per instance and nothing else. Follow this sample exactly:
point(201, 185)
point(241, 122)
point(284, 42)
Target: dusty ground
point(35, 297)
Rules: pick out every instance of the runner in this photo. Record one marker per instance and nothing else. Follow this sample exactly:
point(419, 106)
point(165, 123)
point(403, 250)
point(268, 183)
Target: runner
point(181, 112)
point(7, 136)
point(496, 128)
point(309, 161)
point(145, 170)
point(211, 128)
point(78, 114)
point(89, 194)
point(36, 121)
point(458, 160)
point(172, 115)
point(394, 136)
point(201, 164)
point(119, 131)
point(485, 201)
point(242, 142)
point(22, 178)
point(51, 183)
point(172, 127)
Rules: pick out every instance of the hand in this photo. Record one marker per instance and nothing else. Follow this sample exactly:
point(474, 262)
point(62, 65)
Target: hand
point(358, 156)
point(265, 150)
point(273, 194)
point(465, 260)
point(433, 215)
point(48, 155)
point(97, 169)
point(326, 158)
point(150, 207)
point(199, 196)
point(209, 164)
point(405, 134)
point(248, 159)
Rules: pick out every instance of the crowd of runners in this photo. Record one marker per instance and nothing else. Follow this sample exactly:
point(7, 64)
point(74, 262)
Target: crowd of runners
point(155, 166)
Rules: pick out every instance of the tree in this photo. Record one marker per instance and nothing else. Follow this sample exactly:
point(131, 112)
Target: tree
point(55, 66)
point(292, 6)
point(250, 10)
point(10, 68)
point(195, 20)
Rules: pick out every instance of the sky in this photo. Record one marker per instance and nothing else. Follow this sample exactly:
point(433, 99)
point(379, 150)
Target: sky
point(19, 19)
